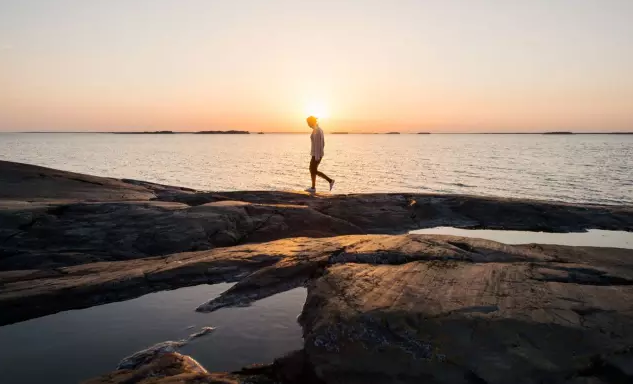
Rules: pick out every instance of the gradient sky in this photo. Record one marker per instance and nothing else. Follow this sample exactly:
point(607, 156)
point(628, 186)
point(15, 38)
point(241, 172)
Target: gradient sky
point(441, 66)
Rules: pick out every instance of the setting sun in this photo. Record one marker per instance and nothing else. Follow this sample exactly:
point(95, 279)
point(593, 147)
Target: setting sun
point(317, 109)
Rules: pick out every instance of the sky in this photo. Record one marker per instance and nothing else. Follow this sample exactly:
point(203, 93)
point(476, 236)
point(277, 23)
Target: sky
point(265, 65)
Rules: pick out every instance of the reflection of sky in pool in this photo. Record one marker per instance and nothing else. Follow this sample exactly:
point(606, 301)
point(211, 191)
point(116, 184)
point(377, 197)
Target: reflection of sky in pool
point(592, 238)
point(71, 346)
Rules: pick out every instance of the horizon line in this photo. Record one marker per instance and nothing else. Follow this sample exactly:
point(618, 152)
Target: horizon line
point(229, 132)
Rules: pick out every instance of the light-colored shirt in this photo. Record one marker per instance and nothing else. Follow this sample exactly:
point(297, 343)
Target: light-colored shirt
point(318, 143)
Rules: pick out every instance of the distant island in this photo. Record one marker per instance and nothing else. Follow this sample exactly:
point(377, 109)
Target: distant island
point(393, 133)
point(424, 133)
point(232, 132)
point(558, 133)
point(146, 133)
point(340, 133)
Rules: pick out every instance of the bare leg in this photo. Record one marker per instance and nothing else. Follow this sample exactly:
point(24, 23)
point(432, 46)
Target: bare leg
point(324, 176)
point(313, 170)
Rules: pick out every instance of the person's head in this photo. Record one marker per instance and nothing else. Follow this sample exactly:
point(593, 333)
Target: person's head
point(312, 121)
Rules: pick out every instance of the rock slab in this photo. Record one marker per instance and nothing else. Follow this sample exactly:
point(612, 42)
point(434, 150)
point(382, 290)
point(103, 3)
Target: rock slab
point(380, 309)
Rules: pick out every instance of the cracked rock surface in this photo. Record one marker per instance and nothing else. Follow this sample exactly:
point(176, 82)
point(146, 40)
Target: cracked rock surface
point(522, 318)
point(381, 308)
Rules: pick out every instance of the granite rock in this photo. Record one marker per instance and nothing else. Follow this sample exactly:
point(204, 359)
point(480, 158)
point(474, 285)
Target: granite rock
point(381, 308)
point(51, 219)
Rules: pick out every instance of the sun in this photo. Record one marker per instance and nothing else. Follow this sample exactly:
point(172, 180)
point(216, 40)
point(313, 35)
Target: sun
point(317, 109)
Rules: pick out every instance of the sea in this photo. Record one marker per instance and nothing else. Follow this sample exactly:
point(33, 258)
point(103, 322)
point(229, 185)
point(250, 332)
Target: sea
point(572, 168)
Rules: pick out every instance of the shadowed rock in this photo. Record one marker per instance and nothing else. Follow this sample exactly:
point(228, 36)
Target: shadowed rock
point(24, 182)
point(459, 321)
point(380, 308)
point(51, 219)
point(47, 237)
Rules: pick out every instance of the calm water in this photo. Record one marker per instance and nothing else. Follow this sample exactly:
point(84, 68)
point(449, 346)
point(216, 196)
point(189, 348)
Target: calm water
point(591, 238)
point(576, 168)
point(75, 345)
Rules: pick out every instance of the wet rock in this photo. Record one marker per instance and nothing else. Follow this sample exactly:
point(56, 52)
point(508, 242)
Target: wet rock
point(148, 355)
point(203, 332)
point(166, 368)
point(145, 356)
point(172, 368)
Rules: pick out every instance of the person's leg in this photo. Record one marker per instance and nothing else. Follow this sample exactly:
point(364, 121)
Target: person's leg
point(313, 170)
point(324, 176)
point(319, 173)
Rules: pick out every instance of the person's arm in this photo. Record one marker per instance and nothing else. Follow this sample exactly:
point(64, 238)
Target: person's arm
point(320, 144)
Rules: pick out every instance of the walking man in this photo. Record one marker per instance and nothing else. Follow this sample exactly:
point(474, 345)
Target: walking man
point(318, 144)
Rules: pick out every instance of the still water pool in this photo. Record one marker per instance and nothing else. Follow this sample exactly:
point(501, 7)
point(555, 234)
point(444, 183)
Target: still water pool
point(591, 238)
point(71, 346)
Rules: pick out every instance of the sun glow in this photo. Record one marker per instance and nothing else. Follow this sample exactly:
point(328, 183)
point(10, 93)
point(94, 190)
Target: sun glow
point(317, 109)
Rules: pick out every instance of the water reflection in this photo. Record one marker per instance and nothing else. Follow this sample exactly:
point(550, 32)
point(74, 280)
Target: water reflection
point(591, 238)
point(71, 346)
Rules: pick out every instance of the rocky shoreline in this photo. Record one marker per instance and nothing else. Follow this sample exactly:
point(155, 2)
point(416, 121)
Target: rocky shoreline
point(382, 307)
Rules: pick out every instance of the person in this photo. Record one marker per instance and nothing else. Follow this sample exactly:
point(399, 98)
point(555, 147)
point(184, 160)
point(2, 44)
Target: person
point(318, 144)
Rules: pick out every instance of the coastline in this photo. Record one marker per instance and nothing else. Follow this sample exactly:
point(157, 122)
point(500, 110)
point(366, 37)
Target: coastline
point(74, 241)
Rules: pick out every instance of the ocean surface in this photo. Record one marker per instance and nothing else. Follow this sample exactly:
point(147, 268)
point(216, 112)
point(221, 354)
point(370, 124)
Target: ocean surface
point(573, 168)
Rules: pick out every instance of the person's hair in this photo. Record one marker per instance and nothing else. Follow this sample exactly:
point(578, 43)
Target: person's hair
point(311, 120)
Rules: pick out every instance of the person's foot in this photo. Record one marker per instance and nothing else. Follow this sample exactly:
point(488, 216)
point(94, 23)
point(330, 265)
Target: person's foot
point(311, 190)
point(331, 184)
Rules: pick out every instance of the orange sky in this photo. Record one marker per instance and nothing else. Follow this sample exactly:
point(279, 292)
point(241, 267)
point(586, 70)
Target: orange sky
point(440, 66)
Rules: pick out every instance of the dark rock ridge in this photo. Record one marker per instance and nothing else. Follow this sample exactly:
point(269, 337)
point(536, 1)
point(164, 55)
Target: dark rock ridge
point(232, 132)
point(380, 308)
point(52, 219)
